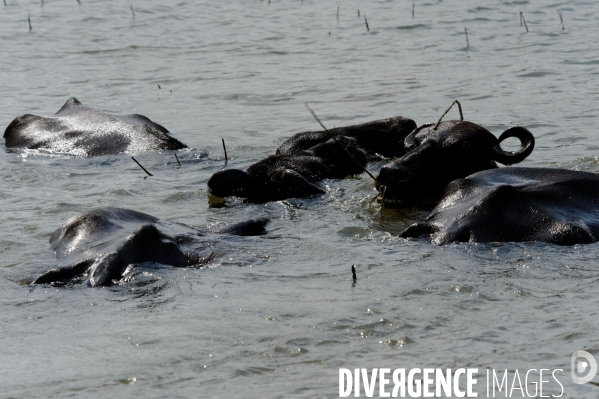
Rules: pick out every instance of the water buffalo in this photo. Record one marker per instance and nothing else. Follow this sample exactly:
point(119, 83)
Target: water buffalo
point(516, 204)
point(100, 244)
point(437, 155)
point(279, 177)
point(82, 131)
point(383, 137)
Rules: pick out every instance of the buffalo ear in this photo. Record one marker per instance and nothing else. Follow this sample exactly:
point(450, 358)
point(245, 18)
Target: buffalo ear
point(294, 183)
point(63, 273)
point(527, 144)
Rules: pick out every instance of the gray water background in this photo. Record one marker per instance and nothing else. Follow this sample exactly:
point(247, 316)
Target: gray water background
point(277, 316)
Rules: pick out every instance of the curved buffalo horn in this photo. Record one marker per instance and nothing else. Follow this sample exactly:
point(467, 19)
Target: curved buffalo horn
point(527, 144)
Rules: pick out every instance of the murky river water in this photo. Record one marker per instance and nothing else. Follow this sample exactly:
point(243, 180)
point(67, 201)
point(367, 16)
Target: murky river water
point(277, 316)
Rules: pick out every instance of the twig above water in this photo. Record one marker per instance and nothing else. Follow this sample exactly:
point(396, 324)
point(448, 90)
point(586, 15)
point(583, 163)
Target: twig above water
point(561, 18)
point(366, 21)
point(29, 20)
point(177, 158)
point(522, 20)
point(316, 117)
point(338, 142)
point(353, 272)
point(467, 42)
point(225, 149)
point(144, 169)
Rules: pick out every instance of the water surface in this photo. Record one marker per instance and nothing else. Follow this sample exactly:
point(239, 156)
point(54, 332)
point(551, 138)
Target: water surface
point(277, 316)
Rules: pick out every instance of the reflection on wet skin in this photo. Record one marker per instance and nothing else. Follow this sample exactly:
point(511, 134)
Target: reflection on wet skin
point(100, 245)
point(82, 131)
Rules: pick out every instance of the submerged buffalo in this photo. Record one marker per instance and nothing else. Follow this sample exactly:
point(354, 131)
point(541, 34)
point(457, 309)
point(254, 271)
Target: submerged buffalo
point(100, 244)
point(309, 157)
point(440, 153)
point(278, 177)
point(383, 137)
point(516, 204)
point(82, 131)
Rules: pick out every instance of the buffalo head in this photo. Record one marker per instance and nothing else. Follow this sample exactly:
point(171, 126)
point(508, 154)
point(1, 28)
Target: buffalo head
point(437, 155)
point(291, 176)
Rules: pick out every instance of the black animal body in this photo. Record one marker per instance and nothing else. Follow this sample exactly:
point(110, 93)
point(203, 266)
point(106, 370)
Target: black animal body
point(102, 243)
point(434, 158)
point(383, 137)
point(516, 204)
point(279, 177)
point(82, 131)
